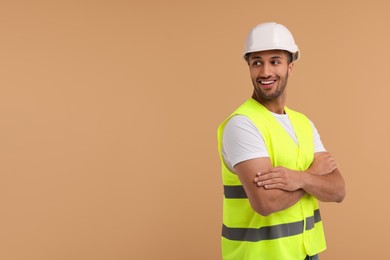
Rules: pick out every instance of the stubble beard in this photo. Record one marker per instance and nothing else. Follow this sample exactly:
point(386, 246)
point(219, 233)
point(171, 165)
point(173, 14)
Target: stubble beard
point(261, 95)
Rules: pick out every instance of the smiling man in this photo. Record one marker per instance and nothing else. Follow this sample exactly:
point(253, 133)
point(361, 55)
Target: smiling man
point(274, 165)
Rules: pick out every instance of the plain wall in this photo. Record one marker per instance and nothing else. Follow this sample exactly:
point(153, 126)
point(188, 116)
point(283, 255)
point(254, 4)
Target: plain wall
point(109, 112)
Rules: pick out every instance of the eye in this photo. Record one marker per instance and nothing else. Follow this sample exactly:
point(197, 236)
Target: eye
point(276, 62)
point(256, 63)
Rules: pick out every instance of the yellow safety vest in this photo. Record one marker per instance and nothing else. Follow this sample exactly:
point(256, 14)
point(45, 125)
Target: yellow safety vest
point(290, 234)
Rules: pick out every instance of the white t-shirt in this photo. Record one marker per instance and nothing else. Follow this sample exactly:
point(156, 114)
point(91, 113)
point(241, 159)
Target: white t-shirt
point(241, 140)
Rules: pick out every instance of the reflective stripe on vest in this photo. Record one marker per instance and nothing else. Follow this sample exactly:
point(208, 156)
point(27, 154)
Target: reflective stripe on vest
point(271, 232)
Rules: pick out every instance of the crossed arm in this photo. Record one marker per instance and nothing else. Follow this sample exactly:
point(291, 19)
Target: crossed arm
point(272, 189)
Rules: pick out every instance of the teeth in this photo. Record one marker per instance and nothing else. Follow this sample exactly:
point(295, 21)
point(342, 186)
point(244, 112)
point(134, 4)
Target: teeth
point(266, 82)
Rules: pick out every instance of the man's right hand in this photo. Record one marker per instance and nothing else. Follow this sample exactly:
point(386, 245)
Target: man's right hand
point(323, 164)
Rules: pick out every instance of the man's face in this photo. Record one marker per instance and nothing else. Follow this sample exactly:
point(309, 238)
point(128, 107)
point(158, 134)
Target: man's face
point(269, 72)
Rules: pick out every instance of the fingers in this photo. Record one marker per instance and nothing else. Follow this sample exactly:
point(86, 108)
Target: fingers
point(261, 178)
point(269, 178)
point(272, 186)
point(325, 163)
point(265, 176)
point(269, 183)
point(333, 165)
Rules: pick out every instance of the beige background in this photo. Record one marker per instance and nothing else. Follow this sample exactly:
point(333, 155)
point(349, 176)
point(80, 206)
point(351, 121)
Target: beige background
point(109, 112)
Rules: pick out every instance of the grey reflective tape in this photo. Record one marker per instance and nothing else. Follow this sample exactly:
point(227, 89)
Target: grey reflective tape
point(263, 233)
point(270, 232)
point(234, 192)
point(310, 221)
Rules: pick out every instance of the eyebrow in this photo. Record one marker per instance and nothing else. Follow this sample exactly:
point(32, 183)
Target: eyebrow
point(273, 57)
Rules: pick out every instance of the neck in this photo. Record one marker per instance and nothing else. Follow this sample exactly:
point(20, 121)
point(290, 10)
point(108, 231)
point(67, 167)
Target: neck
point(274, 105)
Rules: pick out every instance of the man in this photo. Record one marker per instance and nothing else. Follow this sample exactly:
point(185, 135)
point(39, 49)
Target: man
point(274, 165)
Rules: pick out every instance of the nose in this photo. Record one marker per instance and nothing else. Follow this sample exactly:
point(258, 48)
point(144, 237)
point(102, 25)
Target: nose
point(265, 71)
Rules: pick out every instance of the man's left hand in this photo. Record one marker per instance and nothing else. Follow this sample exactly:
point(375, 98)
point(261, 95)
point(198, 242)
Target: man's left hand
point(279, 178)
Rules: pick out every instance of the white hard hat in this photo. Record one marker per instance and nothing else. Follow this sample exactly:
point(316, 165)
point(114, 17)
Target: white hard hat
point(271, 36)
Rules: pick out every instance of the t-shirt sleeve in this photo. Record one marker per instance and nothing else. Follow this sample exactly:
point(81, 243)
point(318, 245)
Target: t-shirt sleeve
point(318, 145)
point(241, 141)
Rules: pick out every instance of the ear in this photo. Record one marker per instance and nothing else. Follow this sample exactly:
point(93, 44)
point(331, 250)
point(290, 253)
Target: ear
point(290, 68)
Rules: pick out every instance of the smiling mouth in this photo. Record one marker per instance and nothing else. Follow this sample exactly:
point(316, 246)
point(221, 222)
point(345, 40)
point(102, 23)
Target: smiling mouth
point(266, 83)
point(263, 82)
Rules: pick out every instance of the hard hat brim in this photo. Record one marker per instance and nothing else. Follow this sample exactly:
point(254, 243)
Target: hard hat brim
point(295, 54)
